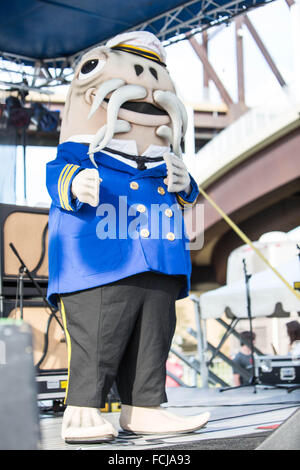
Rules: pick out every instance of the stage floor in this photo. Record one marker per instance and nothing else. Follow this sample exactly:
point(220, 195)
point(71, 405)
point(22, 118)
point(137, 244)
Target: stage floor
point(240, 419)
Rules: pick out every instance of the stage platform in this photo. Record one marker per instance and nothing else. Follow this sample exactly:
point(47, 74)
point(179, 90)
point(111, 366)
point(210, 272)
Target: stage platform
point(240, 420)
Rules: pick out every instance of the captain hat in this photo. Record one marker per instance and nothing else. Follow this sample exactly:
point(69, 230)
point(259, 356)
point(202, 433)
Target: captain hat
point(142, 43)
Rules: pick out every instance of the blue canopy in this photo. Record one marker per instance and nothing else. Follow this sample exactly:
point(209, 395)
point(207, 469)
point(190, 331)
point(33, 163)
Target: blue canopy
point(47, 29)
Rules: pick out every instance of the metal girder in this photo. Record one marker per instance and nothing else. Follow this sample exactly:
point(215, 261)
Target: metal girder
point(264, 50)
point(185, 19)
point(201, 53)
point(40, 76)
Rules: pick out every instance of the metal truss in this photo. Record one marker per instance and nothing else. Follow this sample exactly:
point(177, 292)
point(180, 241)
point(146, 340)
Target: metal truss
point(27, 74)
point(192, 17)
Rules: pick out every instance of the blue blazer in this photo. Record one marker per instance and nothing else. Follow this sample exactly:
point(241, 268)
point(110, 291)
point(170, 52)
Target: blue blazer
point(137, 227)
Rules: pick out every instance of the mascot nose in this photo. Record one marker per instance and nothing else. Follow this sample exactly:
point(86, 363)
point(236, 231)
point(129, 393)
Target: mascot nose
point(139, 70)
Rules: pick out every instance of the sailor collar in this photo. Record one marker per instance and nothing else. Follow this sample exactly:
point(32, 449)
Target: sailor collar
point(103, 158)
point(126, 152)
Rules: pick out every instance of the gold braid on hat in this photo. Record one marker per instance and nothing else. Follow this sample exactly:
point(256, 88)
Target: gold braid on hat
point(139, 51)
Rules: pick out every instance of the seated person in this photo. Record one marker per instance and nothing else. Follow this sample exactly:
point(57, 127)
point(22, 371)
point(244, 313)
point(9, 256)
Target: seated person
point(243, 358)
point(293, 331)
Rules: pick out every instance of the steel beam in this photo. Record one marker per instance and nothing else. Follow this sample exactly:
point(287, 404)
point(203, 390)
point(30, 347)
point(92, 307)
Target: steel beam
point(240, 58)
point(201, 53)
point(264, 51)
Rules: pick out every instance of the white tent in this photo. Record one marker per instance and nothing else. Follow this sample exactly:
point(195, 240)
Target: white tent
point(277, 247)
point(269, 295)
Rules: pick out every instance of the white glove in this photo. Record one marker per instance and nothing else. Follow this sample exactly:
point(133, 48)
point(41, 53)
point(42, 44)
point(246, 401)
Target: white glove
point(85, 186)
point(178, 178)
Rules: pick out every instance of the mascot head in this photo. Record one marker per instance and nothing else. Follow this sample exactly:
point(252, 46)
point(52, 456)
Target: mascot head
point(124, 90)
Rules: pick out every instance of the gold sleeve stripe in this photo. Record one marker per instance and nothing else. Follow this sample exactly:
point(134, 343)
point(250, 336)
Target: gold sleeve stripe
point(183, 203)
point(61, 189)
point(61, 176)
point(65, 186)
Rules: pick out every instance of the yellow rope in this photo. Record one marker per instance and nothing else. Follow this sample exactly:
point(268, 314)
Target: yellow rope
point(247, 240)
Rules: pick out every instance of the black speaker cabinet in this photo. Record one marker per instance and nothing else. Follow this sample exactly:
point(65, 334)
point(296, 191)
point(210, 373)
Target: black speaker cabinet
point(50, 355)
point(19, 423)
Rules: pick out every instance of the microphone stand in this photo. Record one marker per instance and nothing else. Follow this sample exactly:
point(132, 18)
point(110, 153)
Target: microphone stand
point(24, 270)
point(254, 380)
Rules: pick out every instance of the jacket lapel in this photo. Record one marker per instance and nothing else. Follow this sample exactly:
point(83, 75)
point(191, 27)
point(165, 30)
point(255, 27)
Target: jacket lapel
point(102, 158)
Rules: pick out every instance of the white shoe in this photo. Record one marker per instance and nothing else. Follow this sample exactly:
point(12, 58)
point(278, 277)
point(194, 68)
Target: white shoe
point(86, 425)
point(155, 420)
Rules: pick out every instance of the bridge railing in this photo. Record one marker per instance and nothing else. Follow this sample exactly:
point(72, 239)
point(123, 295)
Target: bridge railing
point(251, 132)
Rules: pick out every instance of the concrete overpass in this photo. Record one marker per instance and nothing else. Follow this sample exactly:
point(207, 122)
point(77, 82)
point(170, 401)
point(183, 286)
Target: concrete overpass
point(251, 170)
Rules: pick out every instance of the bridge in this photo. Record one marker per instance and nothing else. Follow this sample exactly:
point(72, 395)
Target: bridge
point(251, 170)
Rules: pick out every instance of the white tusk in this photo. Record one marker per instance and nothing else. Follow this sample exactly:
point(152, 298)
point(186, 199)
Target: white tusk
point(120, 96)
point(93, 160)
point(184, 116)
point(94, 142)
point(169, 102)
point(102, 91)
point(121, 126)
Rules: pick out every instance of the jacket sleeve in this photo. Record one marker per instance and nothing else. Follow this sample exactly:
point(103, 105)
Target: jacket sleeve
point(185, 200)
point(59, 177)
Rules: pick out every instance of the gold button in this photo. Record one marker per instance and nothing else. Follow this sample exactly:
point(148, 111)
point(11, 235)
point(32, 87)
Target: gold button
point(145, 233)
point(169, 212)
point(141, 208)
point(134, 185)
point(161, 190)
point(171, 236)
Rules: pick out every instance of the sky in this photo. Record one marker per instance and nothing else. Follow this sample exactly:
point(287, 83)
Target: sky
point(272, 22)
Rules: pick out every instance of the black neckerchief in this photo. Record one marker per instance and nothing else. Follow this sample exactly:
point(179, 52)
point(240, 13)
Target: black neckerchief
point(140, 161)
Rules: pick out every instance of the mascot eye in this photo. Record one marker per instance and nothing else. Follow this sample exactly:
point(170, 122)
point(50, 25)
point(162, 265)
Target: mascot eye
point(90, 68)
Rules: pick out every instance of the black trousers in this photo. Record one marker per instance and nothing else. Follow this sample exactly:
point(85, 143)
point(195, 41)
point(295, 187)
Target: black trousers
point(120, 332)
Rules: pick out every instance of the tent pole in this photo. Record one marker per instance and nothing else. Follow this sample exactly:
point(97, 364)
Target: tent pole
point(254, 380)
point(201, 341)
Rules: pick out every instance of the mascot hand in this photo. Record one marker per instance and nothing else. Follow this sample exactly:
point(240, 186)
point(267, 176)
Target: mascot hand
point(178, 178)
point(85, 186)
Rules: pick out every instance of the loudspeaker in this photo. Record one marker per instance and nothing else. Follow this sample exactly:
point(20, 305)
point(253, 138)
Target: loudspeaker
point(49, 342)
point(19, 422)
point(286, 437)
point(27, 229)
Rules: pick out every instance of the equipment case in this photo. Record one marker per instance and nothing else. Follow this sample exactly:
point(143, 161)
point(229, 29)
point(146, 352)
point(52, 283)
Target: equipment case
point(276, 370)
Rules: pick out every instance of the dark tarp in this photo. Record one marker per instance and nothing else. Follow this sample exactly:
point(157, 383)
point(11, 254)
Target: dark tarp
point(43, 29)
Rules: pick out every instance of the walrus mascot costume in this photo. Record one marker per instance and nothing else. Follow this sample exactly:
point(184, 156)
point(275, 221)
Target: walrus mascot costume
point(118, 253)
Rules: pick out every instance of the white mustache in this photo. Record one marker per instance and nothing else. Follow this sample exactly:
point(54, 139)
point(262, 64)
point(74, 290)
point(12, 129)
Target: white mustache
point(120, 96)
point(122, 93)
point(170, 103)
point(102, 91)
point(120, 126)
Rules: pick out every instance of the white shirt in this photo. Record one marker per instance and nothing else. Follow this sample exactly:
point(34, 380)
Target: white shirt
point(126, 146)
point(130, 147)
